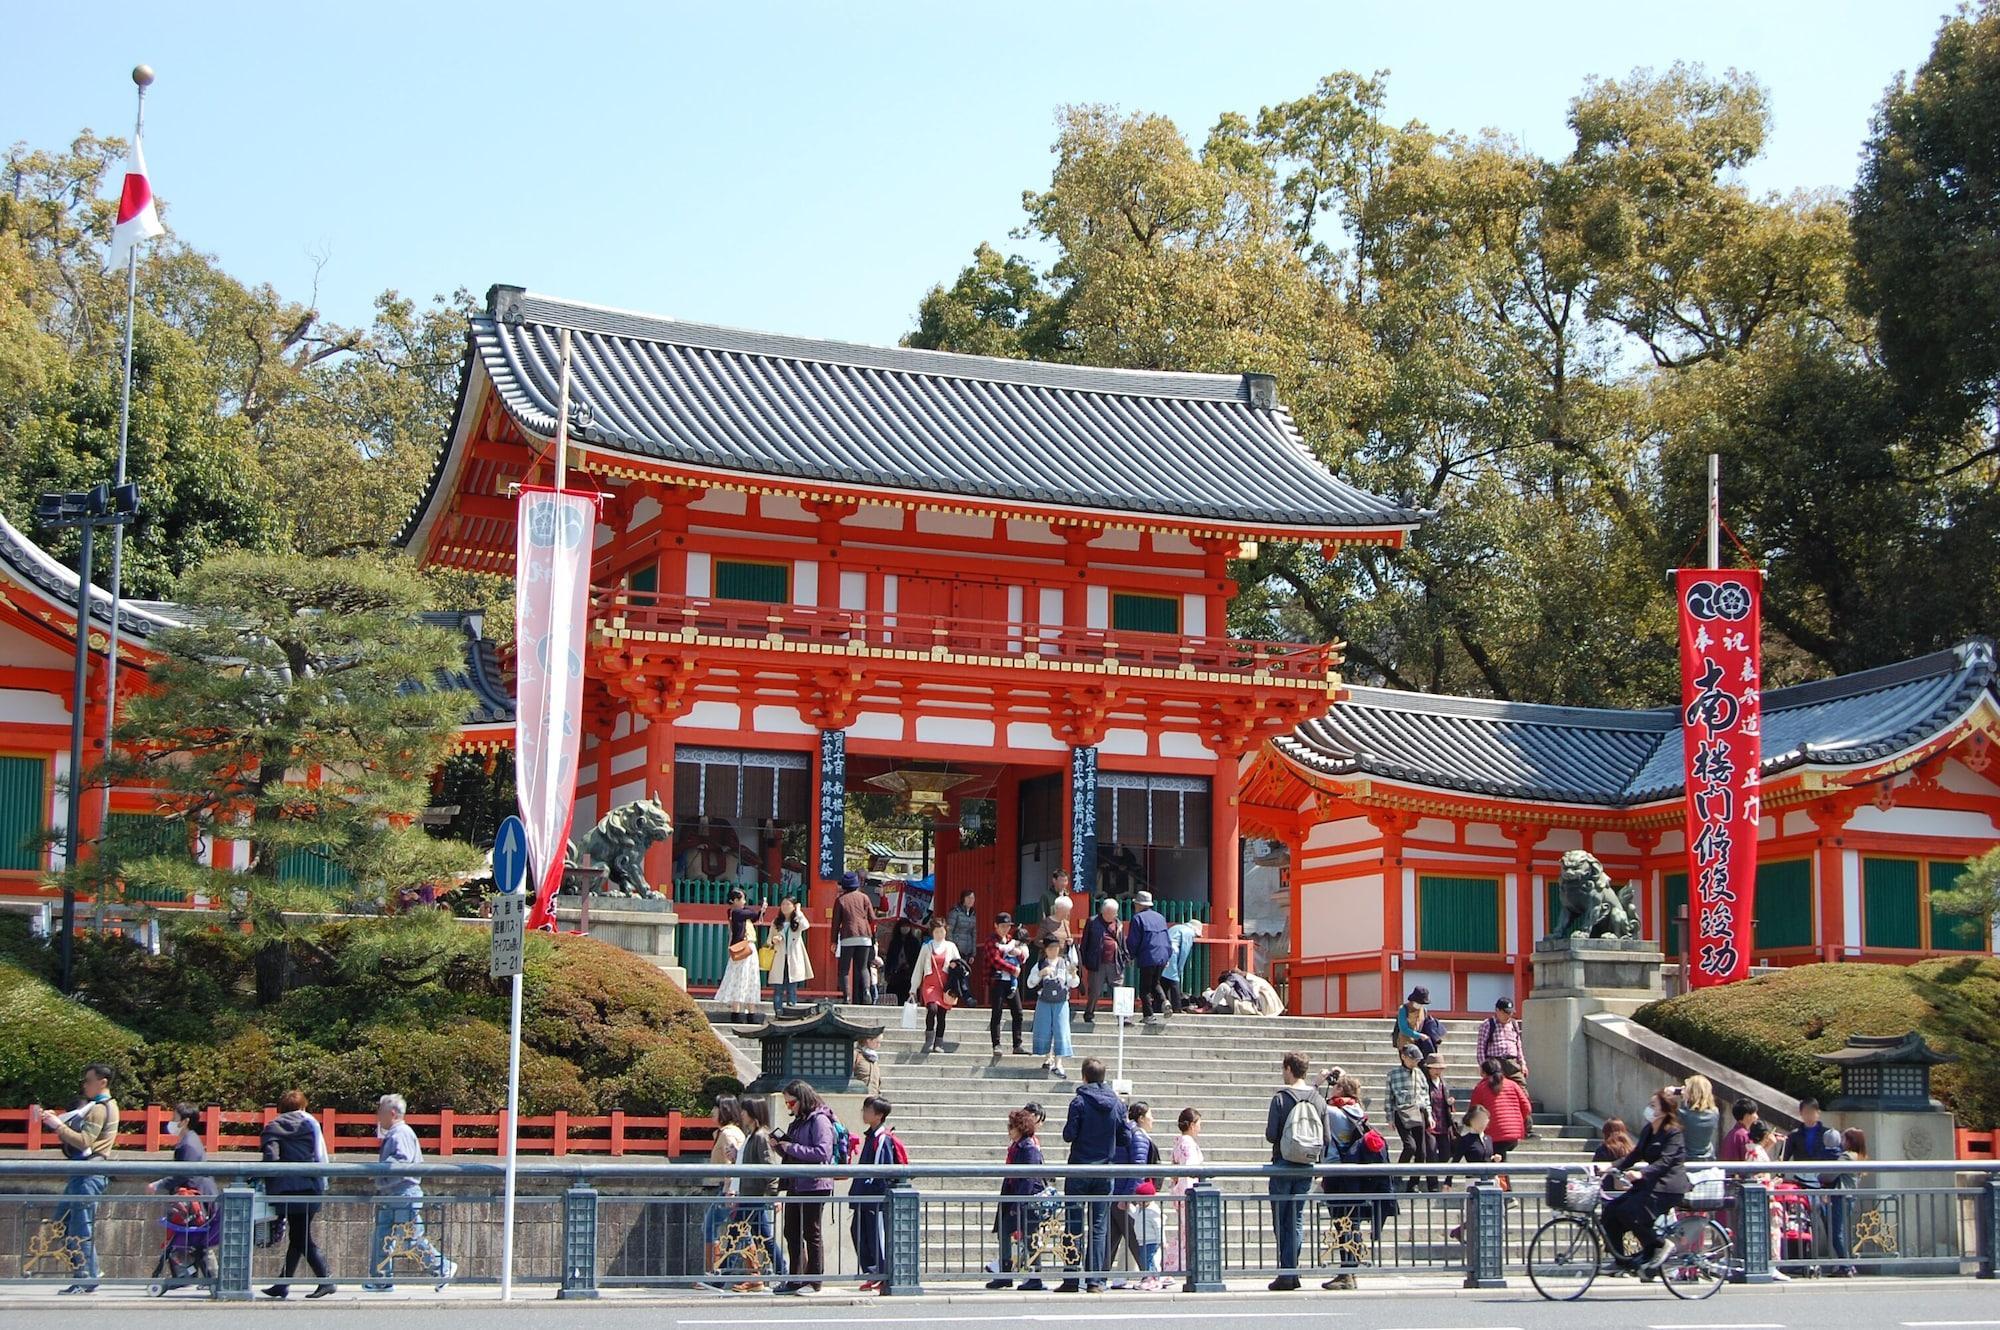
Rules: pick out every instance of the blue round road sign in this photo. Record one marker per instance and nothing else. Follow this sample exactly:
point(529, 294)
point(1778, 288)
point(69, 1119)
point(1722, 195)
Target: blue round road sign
point(510, 856)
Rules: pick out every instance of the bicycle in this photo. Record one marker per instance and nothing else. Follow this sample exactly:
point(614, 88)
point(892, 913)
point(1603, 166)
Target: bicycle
point(1567, 1254)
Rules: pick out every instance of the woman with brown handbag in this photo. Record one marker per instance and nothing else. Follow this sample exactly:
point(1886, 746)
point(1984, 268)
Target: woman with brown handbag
point(742, 982)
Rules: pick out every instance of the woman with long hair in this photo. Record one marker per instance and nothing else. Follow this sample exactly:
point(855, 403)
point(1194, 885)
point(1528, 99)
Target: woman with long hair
point(1699, 1117)
point(790, 966)
point(1614, 1142)
point(934, 982)
point(807, 1140)
point(754, 1206)
point(1656, 1167)
point(741, 982)
point(1014, 1220)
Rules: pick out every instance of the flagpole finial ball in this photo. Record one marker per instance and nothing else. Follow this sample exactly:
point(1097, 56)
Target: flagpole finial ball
point(142, 75)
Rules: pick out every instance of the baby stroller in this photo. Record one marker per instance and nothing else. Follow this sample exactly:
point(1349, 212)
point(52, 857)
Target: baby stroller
point(191, 1221)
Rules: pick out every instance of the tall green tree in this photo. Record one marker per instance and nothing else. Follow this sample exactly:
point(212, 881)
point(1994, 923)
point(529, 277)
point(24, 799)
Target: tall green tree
point(283, 718)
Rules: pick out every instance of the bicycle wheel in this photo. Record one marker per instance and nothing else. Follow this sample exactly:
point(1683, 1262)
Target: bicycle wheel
point(1699, 1262)
point(1564, 1257)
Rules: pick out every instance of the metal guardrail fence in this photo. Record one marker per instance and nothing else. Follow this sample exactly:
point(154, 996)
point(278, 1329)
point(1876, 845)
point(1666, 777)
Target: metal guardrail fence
point(583, 1227)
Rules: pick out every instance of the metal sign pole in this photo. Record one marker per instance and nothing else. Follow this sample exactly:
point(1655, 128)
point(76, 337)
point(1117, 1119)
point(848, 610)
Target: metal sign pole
point(513, 1139)
point(510, 864)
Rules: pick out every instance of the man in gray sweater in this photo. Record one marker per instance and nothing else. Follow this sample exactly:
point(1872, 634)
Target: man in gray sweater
point(399, 1214)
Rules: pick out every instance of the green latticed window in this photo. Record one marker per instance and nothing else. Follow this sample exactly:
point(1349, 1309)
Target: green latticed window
point(24, 792)
point(311, 867)
point(141, 834)
point(1889, 903)
point(1145, 614)
point(1458, 914)
point(1954, 932)
point(770, 583)
point(1784, 905)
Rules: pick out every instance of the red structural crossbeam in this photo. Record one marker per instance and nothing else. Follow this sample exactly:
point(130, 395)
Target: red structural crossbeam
point(442, 1134)
point(619, 611)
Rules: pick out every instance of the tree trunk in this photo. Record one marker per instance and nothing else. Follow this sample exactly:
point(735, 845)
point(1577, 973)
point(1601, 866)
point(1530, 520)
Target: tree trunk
point(273, 965)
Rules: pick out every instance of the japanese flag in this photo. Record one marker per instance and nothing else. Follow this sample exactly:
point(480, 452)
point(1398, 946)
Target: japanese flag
point(138, 219)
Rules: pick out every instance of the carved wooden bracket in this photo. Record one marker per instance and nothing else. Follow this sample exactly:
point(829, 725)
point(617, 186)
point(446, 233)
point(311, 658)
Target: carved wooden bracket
point(833, 699)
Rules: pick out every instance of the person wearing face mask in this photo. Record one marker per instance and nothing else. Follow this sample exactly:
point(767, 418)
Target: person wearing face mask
point(399, 1214)
point(1656, 1168)
point(189, 1151)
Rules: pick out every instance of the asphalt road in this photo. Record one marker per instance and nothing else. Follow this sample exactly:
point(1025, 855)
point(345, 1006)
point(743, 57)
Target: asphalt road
point(1929, 1304)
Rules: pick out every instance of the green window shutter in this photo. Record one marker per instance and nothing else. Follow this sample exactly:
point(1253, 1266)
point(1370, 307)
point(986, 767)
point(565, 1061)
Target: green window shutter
point(769, 583)
point(141, 834)
point(1677, 899)
point(1784, 905)
point(1145, 614)
point(311, 867)
point(1459, 914)
point(24, 788)
point(1889, 904)
point(1954, 932)
point(646, 579)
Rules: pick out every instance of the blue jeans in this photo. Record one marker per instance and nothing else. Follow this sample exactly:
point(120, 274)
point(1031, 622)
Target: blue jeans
point(1287, 1216)
point(1839, 1212)
point(784, 995)
point(871, 1246)
point(1091, 1218)
point(79, 1221)
point(763, 1229)
point(392, 1214)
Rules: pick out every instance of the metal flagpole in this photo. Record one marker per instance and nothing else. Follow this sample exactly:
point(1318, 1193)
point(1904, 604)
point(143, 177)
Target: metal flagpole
point(534, 883)
point(1714, 511)
point(142, 77)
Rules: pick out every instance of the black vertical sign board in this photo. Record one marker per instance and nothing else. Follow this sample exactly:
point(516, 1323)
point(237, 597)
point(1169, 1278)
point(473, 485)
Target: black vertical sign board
point(1083, 819)
point(832, 803)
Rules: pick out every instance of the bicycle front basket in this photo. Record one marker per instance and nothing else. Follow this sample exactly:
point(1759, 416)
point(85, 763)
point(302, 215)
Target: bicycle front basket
point(1574, 1191)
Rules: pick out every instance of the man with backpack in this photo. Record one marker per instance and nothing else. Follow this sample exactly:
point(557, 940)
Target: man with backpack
point(1146, 938)
point(1096, 1129)
point(879, 1145)
point(1296, 1129)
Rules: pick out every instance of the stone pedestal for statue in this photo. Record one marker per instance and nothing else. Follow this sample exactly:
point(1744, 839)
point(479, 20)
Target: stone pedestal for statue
point(1576, 977)
point(649, 928)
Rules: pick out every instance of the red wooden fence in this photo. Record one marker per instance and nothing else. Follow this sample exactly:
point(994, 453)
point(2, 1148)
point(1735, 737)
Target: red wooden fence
point(442, 1134)
point(1982, 1145)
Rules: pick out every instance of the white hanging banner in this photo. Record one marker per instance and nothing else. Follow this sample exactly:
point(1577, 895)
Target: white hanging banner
point(554, 531)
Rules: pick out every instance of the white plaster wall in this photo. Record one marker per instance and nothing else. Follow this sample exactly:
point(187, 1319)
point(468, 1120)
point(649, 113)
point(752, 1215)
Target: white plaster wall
point(1921, 822)
point(782, 508)
point(954, 524)
point(879, 517)
point(1194, 616)
point(1432, 829)
point(586, 812)
point(771, 719)
point(854, 591)
point(1486, 834)
point(1179, 743)
point(1364, 992)
point(1097, 607)
point(889, 594)
point(1483, 990)
point(23, 707)
point(955, 730)
point(1339, 917)
point(876, 725)
point(1961, 779)
point(631, 792)
point(1173, 542)
point(1015, 598)
point(1050, 605)
point(732, 503)
point(1116, 540)
point(644, 511)
point(1439, 982)
point(1510, 902)
point(1560, 839)
point(711, 716)
point(1033, 735)
point(1032, 533)
point(17, 648)
point(701, 574)
point(805, 582)
point(1612, 842)
point(1798, 824)
point(1126, 743)
point(627, 760)
point(624, 723)
point(1409, 909)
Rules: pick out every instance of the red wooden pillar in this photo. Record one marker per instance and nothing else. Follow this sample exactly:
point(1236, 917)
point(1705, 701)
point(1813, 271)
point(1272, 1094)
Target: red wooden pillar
point(1830, 867)
point(1007, 841)
point(1392, 825)
point(1525, 839)
point(1225, 847)
point(659, 769)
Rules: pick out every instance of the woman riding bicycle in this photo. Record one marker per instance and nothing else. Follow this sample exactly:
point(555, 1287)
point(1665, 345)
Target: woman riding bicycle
point(1659, 1181)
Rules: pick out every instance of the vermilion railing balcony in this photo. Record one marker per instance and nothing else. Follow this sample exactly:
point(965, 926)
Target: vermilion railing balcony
point(617, 612)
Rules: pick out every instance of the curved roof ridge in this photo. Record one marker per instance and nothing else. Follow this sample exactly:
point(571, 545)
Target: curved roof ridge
point(136, 617)
point(1647, 720)
point(1969, 655)
point(535, 307)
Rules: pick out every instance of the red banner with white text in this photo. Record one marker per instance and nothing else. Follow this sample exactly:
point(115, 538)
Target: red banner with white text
point(1722, 661)
point(554, 532)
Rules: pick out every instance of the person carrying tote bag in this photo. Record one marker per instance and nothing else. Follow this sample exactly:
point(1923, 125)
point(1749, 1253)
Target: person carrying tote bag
point(742, 982)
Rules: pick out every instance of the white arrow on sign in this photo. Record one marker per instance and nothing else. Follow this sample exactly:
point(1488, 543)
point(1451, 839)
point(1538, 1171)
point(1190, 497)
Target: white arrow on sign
point(510, 856)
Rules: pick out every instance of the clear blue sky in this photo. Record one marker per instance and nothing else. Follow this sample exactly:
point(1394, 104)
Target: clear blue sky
point(804, 168)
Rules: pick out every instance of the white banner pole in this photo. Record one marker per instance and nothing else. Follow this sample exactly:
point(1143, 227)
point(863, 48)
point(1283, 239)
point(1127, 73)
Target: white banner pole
point(513, 1129)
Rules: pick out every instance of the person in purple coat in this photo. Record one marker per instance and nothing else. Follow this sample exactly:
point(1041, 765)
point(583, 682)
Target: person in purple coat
point(808, 1140)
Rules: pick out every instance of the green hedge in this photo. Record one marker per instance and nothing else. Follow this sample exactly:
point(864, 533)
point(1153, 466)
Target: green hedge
point(402, 1004)
point(1771, 1027)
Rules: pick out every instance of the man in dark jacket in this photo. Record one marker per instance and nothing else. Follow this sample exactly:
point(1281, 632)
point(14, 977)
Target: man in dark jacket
point(1096, 1130)
point(1104, 957)
point(1147, 939)
point(854, 930)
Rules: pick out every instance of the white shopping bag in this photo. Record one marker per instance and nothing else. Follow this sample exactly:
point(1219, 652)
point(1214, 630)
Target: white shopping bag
point(913, 1016)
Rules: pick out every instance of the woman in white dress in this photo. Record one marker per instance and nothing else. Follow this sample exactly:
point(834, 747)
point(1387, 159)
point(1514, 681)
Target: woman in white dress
point(742, 982)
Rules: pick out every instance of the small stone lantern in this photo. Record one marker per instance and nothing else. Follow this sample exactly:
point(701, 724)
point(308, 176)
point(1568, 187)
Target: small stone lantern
point(816, 1047)
point(1885, 1073)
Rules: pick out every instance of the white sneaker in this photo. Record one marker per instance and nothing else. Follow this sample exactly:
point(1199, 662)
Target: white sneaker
point(446, 1275)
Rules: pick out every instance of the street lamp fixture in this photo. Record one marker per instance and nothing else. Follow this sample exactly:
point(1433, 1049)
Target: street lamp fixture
point(105, 505)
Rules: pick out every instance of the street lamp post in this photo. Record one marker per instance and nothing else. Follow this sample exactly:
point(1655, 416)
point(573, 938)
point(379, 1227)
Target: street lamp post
point(88, 510)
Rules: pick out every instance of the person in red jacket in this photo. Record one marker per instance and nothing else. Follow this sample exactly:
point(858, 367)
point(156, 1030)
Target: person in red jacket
point(1507, 1104)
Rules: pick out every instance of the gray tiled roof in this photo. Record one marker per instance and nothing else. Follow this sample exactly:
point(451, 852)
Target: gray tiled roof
point(1610, 758)
point(481, 675)
point(1183, 445)
point(34, 565)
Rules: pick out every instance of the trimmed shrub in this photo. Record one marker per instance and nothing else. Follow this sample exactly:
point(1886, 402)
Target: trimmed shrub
point(47, 1040)
point(1771, 1027)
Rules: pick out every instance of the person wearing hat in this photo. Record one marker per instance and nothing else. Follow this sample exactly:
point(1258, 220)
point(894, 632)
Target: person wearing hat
point(854, 928)
point(1001, 959)
point(1146, 938)
point(1500, 1039)
point(1410, 1105)
point(1444, 1115)
point(1415, 1024)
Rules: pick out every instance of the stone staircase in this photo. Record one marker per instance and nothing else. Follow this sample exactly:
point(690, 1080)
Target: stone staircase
point(952, 1106)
